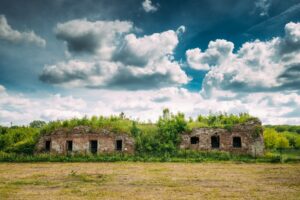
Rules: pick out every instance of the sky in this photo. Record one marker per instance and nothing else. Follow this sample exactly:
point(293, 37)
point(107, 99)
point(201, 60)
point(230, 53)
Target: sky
point(61, 59)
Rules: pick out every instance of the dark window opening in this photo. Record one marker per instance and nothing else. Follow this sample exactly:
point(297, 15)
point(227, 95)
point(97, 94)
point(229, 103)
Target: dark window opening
point(215, 142)
point(236, 142)
point(47, 145)
point(194, 140)
point(70, 145)
point(94, 146)
point(119, 145)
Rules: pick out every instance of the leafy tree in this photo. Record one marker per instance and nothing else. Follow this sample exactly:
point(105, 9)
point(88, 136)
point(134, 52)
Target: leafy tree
point(169, 128)
point(135, 131)
point(282, 142)
point(270, 138)
point(37, 124)
point(297, 143)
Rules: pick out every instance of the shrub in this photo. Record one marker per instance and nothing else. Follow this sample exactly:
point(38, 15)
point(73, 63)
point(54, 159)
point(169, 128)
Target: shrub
point(270, 138)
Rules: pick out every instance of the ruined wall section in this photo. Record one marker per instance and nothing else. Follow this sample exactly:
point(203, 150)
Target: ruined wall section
point(81, 137)
point(250, 133)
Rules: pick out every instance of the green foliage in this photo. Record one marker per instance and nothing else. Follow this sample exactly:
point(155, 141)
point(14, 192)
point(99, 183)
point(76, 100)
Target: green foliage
point(135, 131)
point(285, 128)
point(161, 138)
point(277, 140)
point(282, 142)
point(114, 123)
point(37, 124)
point(19, 139)
point(169, 129)
point(270, 138)
point(293, 138)
point(257, 131)
point(179, 156)
point(220, 120)
point(165, 137)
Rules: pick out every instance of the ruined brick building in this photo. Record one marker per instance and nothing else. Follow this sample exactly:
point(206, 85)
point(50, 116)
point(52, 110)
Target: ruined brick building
point(246, 138)
point(83, 139)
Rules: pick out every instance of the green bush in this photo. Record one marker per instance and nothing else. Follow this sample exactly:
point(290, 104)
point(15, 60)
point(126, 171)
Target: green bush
point(270, 138)
point(19, 139)
point(283, 140)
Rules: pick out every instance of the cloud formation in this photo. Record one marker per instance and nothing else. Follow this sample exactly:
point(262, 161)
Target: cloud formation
point(215, 54)
point(93, 37)
point(140, 51)
point(271, 108)
point(148, 6)
point(103, 74)
point(257, 66)
point(7, 33)
point(127, 62)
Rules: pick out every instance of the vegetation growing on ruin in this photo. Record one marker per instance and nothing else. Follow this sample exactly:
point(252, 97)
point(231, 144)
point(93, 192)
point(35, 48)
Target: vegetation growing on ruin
point(158, 140)
point(220, 120)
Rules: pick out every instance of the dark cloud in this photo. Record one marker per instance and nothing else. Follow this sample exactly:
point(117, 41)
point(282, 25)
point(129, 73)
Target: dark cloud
point(110, 75)
point(86, 43)
point(290, 78)
point(129, 58)
point(93, 37)
point(161, 99)
point(126, 80)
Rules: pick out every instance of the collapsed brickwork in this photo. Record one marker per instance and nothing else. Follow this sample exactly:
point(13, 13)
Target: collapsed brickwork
point(83, 139)
point(246, 138)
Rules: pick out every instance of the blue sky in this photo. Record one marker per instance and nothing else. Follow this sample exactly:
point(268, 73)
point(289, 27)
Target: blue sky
point(63, 58)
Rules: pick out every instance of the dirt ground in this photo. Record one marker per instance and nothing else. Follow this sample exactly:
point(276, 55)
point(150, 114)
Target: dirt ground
point(149, 181)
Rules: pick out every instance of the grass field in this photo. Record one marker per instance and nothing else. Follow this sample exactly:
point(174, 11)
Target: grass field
point(129, 180)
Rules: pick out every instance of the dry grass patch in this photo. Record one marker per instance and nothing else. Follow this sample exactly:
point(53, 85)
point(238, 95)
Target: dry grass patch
point(149, 181)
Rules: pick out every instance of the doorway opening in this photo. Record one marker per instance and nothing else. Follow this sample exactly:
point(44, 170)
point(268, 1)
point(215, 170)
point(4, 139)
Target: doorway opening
point(69, 145)
point(236, 142)
point(47, 145)
point(119, 145)
point(93, 146)
point(215, 142)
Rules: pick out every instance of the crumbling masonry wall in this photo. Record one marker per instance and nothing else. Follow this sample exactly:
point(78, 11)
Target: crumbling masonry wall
point(250, 135)
point(81, 137)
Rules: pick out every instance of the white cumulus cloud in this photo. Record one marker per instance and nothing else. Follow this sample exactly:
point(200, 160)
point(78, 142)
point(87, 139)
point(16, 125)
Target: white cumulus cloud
point(271, 108)
point(8, 34)
point(217, 52)
point(93, 37)
point(257, 66)
point(140, 51)
point(132, 63)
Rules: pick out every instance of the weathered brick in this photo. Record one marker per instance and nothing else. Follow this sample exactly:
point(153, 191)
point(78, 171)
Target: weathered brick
point(81, 137)
point(250, 134)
